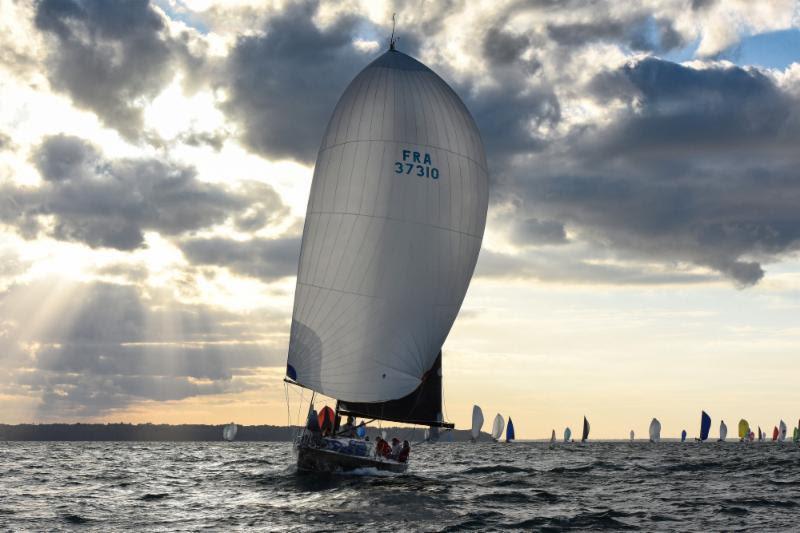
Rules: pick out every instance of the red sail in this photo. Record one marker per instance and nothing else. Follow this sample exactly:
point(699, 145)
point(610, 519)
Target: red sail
point(775, 434)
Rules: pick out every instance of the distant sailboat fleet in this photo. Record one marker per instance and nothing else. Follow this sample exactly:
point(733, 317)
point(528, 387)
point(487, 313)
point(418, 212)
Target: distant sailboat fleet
point(744, 430)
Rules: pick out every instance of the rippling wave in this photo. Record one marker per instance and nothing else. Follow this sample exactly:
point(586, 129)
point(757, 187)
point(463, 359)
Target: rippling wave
point(449, 487)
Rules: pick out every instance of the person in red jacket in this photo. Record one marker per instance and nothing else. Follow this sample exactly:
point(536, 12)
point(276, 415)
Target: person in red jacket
point(382, 448)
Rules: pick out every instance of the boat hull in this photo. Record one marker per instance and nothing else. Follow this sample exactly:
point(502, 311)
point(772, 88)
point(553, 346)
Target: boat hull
point(310, 459)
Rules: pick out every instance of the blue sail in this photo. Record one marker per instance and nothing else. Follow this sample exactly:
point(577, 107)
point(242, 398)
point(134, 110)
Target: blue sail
point(510, 430)
point(705, 425)
point(683, 436)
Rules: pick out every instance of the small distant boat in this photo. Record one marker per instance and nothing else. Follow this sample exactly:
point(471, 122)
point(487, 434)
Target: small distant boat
point(760, 434)
point(510, 431)
point(586, 428)
point(229, 432)
point(723, 431)
point(683, 436)
point(782, 427)
point(497, 427)
point(477, 422)
point(655, 430)
point(631, 435)
point(744, 430)
point(705, 426)
point(553, 437)
point(567, 434)
point(775, 433)
point(796, 435)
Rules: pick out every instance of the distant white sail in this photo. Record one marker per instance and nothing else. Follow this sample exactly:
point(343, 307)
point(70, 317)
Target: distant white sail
point(477, 422)
point(392, 232)
point(723, 431)
point(229, 431)
point(782, 431)
point(497, 426)
point(655, 430)
point(567, 434)
point(631, 435)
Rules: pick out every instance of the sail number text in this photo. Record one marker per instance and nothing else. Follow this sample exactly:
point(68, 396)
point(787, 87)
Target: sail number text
point(416, 163)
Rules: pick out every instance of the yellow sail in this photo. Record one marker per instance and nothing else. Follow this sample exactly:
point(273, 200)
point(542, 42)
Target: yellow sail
point(744, 429)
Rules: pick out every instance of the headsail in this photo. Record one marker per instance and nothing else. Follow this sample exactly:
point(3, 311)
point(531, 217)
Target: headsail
point(423, 406)
point(567, 434)
point(683, 436)
point(655, 430)
point(497, 426)
point(510, 431)
point(393, 228)
point(705, 425)
point(782, 428)
point(723, 431)
point(477, 422)
point(585, 430)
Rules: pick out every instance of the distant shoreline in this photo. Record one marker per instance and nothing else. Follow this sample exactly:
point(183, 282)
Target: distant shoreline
point(121, 432)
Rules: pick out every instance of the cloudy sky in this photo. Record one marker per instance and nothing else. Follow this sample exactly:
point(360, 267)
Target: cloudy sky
point(641, 253)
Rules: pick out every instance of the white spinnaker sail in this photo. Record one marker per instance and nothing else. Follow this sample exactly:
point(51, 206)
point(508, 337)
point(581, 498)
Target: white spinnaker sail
point(229, 431)
point(567, 434)
point(655, 430)
point(782, 430)
point(393, 228)
point(723, 431)
point(477, 421)
point(497, 426)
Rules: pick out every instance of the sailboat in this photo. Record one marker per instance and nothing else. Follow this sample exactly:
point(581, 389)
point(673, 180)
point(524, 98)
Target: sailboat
point(477, 423)
point(567, 434)
point(655, 430)
point(553, 438)
point(510, 437)
point(229, 432)
point(782, 428)
point(585, 435)
point(775, 433)
point(723, 431)
point(394, 224)
point(683, 436)
point(760, 434)
point(796, 435)
point(744, 430)
point(497, 427)
point(705, 426)
point(631, 435)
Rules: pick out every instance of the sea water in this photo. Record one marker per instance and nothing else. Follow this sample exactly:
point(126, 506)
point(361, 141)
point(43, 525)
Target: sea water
point(117, 486)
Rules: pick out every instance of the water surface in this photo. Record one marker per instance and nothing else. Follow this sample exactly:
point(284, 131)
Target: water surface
point(119, 486)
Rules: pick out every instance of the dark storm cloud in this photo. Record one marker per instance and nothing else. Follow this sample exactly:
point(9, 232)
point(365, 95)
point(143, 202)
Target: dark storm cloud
point(266, 259)
point(503, 47)
point(535, 231)
point(111, 203)
point(112, 347)
point(701, 167)
point(640, 31)
point(109, 55)
point(286, 81)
